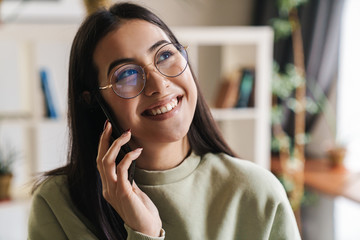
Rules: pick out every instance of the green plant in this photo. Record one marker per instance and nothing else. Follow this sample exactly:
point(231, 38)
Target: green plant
point(289, 90)
point(283, 86)
point(7, 159)
point(289, 93)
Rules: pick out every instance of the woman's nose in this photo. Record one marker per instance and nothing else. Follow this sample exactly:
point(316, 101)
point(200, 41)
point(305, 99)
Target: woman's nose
point(155, 82)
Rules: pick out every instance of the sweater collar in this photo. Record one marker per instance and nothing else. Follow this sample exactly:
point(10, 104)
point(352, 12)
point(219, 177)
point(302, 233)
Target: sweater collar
point(186, 167)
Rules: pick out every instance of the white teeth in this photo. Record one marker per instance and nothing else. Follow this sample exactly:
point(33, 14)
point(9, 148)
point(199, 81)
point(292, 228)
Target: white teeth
point(173, 104)
point(169, 107)
point(164, 109)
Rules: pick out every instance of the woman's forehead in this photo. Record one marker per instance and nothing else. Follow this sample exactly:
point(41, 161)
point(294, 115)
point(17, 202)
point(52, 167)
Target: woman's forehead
point(135, 35)
point(132, 40)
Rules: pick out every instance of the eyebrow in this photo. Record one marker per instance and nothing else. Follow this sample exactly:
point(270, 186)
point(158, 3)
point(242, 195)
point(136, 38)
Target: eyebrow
point(119, 62)
point(156, 45)
point(128, 60)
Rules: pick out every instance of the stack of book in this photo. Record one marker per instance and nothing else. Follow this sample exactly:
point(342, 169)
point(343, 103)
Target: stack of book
point(237, 90)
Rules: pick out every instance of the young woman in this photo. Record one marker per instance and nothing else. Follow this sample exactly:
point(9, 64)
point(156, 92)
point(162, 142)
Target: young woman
point(187, 185)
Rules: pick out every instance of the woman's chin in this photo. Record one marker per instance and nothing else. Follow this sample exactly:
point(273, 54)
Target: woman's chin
point(163, 136)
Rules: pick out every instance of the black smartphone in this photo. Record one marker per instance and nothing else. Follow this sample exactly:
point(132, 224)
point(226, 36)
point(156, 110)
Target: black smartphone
point(116, 132)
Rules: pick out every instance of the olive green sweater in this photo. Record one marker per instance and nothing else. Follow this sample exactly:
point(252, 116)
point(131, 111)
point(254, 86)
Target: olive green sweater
point(213, 197)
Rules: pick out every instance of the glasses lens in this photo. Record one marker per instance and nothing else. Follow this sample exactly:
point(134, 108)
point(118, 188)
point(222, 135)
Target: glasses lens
point(128, 81)
point(171, 60)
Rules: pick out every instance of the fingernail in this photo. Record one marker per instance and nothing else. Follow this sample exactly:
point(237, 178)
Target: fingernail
point(127, 131)
point(138, 150)
point(105, 124)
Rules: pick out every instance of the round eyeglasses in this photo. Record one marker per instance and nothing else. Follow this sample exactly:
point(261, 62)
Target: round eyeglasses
point(128, 80)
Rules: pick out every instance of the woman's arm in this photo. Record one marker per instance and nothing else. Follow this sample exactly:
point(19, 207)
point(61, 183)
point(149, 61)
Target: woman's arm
point(42, 222)
point(284, 225)
point(53, 215)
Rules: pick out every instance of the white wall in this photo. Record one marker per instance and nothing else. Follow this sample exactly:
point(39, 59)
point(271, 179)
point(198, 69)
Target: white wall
point(61, 10)
point(174, 12)
point(348, 128)
point(202, 12)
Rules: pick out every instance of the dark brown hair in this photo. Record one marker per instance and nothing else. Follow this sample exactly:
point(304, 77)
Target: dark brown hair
point(86, 120)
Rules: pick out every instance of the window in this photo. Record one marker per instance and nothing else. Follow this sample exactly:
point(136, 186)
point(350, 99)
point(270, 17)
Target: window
point(348, 109)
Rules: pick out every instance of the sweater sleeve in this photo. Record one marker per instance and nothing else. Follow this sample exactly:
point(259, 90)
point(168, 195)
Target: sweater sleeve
point(134, 235)
point(42, 222)
point(284, 225)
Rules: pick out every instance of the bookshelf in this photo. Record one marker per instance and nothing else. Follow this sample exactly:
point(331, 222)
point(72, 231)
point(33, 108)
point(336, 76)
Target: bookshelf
point(26, 49)
point(215, 52)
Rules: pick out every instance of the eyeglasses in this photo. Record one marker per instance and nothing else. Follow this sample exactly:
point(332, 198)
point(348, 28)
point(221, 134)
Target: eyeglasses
point(128, 80)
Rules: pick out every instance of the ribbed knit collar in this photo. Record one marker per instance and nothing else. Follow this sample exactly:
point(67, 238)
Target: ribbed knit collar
point(145, 177)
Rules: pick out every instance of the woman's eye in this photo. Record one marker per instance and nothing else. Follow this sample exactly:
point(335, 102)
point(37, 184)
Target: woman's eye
point(164, 56)
point(125, 74)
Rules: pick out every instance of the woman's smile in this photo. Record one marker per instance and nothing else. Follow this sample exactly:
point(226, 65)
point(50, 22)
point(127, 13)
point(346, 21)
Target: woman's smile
point(164, 109)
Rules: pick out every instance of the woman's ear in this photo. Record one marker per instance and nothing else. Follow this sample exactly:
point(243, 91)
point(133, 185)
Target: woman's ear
point(86, 97)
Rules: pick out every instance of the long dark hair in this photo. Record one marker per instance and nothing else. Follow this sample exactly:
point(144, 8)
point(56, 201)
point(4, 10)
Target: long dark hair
point(86, 120)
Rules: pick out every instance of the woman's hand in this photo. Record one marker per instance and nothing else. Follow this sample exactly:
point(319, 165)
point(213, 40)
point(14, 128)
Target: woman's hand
point(133, 205)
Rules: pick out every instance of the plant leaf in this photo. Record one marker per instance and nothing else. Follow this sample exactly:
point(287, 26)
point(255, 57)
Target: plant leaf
point(285, 6)
point(282, 28)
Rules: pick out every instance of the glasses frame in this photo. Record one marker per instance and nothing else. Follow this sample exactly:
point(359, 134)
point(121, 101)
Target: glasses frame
point(110, 85)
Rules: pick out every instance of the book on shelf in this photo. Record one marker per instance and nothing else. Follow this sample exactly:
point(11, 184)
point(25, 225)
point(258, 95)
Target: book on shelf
point(48, 92)
point(236, 90)
point(246, 89)
point(228, 91)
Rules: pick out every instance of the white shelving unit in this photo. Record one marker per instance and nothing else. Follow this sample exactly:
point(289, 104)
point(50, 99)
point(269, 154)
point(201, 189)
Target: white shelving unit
point(216, 51)
point(41, 141)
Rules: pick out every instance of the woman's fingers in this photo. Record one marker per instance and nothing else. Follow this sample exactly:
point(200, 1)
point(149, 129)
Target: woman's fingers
point(123, 167)
point(104, 142)
point(107, 157)
point(102, 149)
point(110, 156)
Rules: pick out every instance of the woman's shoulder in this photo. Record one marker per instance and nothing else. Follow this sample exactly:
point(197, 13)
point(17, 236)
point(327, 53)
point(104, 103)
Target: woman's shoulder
point(254, 191)
point(236, 165)
point(53, 214)
point(51, 186)
point(245, 174)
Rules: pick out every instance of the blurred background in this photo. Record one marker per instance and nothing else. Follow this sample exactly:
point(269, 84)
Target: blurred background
point(280, 76)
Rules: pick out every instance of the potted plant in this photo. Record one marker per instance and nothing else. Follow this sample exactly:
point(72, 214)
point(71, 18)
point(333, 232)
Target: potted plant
point(7, 158)
point(94, 5)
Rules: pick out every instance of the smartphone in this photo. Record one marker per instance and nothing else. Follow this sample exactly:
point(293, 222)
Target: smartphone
point(116, 132)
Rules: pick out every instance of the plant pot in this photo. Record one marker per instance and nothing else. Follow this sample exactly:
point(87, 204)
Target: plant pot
point(336, 156)
point(5, 182)
point(94, 5)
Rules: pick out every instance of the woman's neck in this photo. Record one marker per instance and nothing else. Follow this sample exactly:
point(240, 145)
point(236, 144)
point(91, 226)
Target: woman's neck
point(163, 156)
